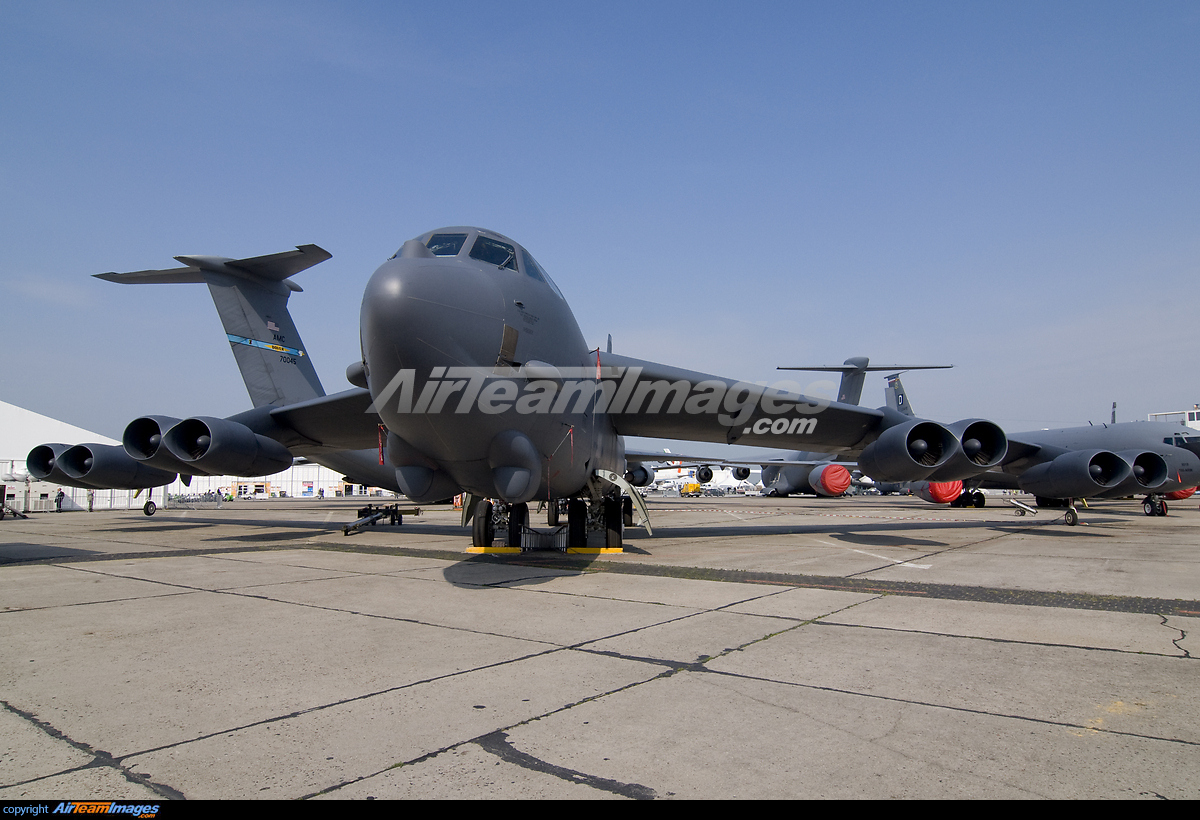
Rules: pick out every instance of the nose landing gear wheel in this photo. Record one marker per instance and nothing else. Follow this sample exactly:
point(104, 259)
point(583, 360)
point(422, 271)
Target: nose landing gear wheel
point(1071, 517)
point(150, 508)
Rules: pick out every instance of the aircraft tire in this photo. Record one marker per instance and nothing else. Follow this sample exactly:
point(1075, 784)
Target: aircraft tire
point(1148, 507)
point(552, 513)
point(481, 526)
point(150, 508)
point(518, 518)
point(612, 523)
point(979, 500)
point(576, 524)
point(1071, 517)
point(1162, 510)
point(627, 511)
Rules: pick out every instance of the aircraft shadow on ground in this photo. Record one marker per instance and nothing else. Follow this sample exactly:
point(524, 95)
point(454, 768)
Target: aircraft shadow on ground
point(524, 569)
point(20, 552)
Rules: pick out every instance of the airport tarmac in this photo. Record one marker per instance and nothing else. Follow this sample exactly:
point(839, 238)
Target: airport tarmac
point(752, 648)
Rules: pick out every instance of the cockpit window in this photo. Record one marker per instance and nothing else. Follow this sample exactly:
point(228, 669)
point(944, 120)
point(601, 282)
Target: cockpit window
point(446, 244)
point(538, 272)
point(500, 254)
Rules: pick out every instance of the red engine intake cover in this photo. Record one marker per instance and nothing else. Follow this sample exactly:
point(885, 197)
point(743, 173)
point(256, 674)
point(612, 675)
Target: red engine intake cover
point(942, 492)
point(835, 479)
point(1180, 495)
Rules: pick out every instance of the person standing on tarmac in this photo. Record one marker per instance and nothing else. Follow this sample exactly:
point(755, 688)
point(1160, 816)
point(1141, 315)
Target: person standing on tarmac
point(58, 500)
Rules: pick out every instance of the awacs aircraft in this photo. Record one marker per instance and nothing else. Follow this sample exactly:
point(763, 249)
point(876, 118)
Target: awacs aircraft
point(475, 378)
point(1059, 467)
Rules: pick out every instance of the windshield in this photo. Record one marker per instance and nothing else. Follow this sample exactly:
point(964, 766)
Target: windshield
point(532, 268)
point(500, 254)
point(446, 244)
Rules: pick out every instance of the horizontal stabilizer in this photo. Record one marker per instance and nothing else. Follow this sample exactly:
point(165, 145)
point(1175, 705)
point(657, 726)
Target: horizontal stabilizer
point(274, 267)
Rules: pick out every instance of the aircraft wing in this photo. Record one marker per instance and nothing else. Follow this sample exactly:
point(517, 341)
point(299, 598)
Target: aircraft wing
point(668, 460)
point(337, 422)
point(661, 412)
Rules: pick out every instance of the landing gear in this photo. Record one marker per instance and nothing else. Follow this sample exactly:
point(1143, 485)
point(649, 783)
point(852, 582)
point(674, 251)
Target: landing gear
point(627, 511)
point(1071, 517)
point(150, 508)
point(552, 513)
point(613, 519)
point(577, 521)
point(1154, 505)
point(518, 519)
point(482, 532)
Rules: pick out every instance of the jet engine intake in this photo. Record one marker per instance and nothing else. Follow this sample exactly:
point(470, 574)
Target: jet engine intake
point(937, 492)
point(704, 474)
point(741, 473)
point(829, 480)
point(912, 451)
point(222, 447)
point(640, 475)
point(982, 445)
point(42, 464)
point(143, 442)
point(1147, 472)
point(1077, 474)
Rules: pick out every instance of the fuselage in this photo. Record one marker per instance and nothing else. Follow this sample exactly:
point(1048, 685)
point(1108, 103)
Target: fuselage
point(466, 341)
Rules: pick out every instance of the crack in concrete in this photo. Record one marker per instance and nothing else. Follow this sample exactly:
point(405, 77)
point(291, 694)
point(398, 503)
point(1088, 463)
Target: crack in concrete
point(100, 759)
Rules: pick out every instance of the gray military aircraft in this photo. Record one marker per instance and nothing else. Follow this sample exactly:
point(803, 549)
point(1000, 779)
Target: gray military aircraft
point(476, 379)
point(1060, 467)
point(799, 472)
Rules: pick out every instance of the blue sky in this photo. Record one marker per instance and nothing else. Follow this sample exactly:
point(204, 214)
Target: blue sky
point(1010, 187)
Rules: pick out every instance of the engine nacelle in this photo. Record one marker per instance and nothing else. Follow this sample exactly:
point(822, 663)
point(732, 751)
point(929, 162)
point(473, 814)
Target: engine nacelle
point(741, 473)
point(829, 480)
point(1147, 472)
point(981, 446)
point(42, 464)
point(912, 451)
point(704, 474)
point(639, 475)
point(223, 447)
point(937, 492)
point(1077, 474)
point(143, 442)
point(108, 467)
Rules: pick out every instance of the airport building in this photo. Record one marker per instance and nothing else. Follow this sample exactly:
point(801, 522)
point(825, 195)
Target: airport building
point(21, 430)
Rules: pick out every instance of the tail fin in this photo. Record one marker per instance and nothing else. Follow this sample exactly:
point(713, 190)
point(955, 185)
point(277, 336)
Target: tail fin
point(896, 398)
point(251, 297)
point(854, 372)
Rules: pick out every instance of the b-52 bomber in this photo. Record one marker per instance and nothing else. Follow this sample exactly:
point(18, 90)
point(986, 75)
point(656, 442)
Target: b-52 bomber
point(475, 378)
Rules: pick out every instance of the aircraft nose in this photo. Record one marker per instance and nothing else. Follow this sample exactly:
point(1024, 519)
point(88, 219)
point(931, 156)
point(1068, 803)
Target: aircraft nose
point(421, 311)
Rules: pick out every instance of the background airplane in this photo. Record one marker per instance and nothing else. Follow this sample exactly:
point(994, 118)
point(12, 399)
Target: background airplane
point(1059, 467)
point(475, 378)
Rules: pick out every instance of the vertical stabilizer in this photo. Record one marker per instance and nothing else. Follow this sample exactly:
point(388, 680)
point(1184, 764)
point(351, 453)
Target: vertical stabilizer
point(896, 398)
point(251, 297)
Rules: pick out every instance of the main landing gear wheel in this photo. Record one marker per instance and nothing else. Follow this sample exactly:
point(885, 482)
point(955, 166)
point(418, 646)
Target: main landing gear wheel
point(481, 526)
point(576, 524)
point(627, 511)
point(1071, 517)
point(978, 500)
point(150, 508)
point(1154, 506)
point(613, 518)
point(552, 513)
point(518, 518)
